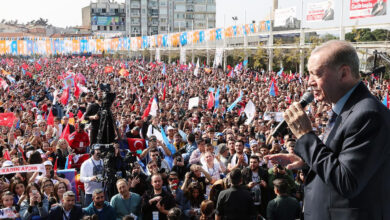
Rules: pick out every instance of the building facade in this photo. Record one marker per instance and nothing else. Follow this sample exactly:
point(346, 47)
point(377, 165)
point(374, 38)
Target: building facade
point(105, 18)
point(150, 17)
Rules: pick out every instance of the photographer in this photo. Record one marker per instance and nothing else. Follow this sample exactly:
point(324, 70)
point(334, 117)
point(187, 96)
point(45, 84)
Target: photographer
point(91, 174)
point(92, 116)
point(195, 175)
point(152, 144)
point(137, 179)
point(280, 172)
point(178, 165)
point(162, 164)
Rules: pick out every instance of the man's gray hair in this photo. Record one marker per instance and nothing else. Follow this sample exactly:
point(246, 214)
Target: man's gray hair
point(97, 191)
point(69, 194)
point(342, 53)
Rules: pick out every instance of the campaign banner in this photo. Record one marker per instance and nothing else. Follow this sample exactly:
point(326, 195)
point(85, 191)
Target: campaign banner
point(277, 116)
point(7, 213)
point(320, 11)
point(23, 169)
point(103, 20)
point(69, 174)
point(285, 17)
point(367, 8)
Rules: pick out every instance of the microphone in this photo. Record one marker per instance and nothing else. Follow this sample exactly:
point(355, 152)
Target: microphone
point(306, 99)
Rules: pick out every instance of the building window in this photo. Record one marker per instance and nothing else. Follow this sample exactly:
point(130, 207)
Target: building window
point(116, 10)
point(93, 10)
point(103, 10)
point(110, 28)
point(98, 28)
point(117, 27)
point(105, 28)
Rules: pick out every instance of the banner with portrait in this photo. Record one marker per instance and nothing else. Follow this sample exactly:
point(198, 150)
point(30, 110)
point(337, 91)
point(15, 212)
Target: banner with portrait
point(367, 8)
point(320, 11)
point(286, 18)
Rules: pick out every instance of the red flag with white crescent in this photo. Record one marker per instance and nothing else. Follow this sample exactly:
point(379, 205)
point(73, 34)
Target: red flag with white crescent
point(136, 145)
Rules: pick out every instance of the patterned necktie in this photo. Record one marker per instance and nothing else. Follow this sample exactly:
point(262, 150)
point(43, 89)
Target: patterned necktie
point(329, 126)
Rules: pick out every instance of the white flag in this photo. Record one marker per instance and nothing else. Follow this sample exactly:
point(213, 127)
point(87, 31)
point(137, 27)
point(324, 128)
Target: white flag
point(153, 108)
point(196, 71)
point(250, 111)
point(193, 102)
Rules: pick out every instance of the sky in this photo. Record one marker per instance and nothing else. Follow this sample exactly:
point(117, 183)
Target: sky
point(64, 13)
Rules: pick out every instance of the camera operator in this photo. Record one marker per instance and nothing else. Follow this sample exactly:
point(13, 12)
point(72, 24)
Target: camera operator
point(137, 179)
point(162, 164)
point(195, 175)
point(178, 165)
point(91, 174)
point(280, 172)
point(92, 115)
point(154, 143)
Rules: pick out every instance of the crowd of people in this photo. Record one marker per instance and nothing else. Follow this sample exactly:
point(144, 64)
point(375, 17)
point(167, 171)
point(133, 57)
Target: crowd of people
point(210, 165)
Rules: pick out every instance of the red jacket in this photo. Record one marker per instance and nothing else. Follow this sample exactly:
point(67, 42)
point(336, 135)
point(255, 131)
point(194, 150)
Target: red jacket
point(79, 141)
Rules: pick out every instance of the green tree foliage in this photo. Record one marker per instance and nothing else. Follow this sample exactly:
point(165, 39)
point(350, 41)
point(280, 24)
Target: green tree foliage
point(365, 34)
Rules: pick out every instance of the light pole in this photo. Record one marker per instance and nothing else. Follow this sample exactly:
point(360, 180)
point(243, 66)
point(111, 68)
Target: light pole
point(235, 18)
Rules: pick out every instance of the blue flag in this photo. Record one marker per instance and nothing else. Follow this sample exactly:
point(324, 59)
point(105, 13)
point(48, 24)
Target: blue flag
point(245, 62)
point(272, 89)
point(169, 146)
point(164, 71)
point(216, 98)
point(235, 103)
point(280, 72)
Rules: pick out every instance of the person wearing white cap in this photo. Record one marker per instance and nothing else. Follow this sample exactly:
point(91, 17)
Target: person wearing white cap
point(49, 174)
point(171, 134)
point(7, 163)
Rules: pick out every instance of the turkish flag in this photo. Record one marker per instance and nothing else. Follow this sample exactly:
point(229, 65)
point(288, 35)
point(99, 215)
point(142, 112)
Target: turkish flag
point(65, 96)
point(108, 69)
point(24, 66)
point(136, 145)
point(76, 91)
point(82, 158)
point(38, 67)
point(164, 93)
point(210, 102)
point(50, 118)
point(79, 114)
point(7, 119)
point(65, 133)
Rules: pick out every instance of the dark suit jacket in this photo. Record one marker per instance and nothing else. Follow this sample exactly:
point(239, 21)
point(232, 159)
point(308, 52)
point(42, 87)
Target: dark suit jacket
point(348, 177)
point(57, 213)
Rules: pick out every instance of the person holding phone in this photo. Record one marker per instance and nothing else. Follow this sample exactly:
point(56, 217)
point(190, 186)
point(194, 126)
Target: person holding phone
point(34, 204)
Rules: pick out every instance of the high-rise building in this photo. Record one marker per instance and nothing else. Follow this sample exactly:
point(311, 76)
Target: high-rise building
point(150, 17)
point(105, 18)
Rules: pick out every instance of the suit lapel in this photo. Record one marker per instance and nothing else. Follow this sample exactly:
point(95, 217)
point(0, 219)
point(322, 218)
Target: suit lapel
point(333, 135)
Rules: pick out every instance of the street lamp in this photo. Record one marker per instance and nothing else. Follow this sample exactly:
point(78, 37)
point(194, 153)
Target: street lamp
point(235, 18)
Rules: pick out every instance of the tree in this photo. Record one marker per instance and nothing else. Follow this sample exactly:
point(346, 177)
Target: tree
point(381, 34)
point(278, 54)
point(328, 37)
point(260, 58)
point(292, 57)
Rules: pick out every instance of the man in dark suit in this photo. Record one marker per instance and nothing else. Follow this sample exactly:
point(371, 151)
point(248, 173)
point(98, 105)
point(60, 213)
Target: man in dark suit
point(329, 12)
point(68, 210)
point(235, 202)
point(348, 170)
point(379, 8)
